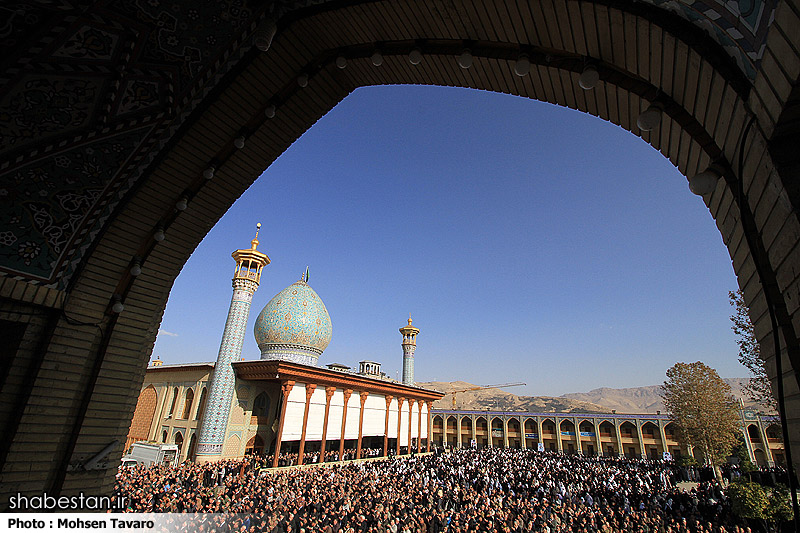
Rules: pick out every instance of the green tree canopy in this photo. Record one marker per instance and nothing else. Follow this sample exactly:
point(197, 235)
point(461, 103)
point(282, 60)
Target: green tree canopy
point(758, 389)
point(701, 405)
point(748, 500)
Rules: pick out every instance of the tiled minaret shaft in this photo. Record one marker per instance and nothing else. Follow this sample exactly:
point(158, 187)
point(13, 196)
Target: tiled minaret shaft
point(249, 264)
point(409, 345)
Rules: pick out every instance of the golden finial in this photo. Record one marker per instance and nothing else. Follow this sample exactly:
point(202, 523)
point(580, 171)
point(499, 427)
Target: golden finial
point(254, 242)
point(409, 319)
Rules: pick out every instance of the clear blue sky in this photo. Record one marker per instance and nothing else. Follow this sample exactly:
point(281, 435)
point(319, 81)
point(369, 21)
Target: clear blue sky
point(529, 242)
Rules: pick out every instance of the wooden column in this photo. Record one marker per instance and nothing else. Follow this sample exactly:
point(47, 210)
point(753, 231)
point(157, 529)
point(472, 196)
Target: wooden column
point(410, 415)
point(364, 395)
point(347, 393)
point(310, 387)
point(399, 419)
point(430, 422)
point(286, 388)
point(328, 395)
point(386, 427)
point(419, 426)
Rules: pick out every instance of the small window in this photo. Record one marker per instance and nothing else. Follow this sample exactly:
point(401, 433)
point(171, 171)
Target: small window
point(174, 401)
point(187, 404)
point(261, 405)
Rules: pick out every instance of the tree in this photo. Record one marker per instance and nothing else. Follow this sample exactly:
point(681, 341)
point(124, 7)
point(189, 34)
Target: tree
point(753, 501)
point(740, 451)
point(705, 413)
point(748, 500)
point(779, 507)
point(758, 388)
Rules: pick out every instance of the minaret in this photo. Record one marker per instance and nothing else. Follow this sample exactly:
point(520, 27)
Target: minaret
point(249, 263)
point(409, 345)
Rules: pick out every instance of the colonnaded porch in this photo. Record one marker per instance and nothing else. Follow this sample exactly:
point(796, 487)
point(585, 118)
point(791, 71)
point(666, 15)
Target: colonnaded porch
point(609, 435)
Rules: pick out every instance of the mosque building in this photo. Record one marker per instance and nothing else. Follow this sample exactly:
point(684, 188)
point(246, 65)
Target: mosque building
point(284, 402)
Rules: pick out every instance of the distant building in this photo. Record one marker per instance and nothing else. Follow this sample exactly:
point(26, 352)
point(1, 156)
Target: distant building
point(284, 402)
point(630, 435)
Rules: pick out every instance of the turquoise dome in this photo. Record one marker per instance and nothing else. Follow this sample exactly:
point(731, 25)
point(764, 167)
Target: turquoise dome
point(294, 326)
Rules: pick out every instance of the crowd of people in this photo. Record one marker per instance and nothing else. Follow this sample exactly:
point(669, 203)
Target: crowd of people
point(489, 490)
point(292, 459)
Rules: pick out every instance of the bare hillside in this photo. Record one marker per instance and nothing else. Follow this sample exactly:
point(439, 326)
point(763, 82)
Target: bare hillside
point(643, 399)
point(603, 400)
point(499, 400)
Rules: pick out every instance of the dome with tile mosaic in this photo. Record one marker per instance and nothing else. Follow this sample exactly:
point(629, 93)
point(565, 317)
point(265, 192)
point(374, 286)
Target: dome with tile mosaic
point(294, 325)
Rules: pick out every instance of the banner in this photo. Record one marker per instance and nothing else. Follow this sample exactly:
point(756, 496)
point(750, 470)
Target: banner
point(67, 522)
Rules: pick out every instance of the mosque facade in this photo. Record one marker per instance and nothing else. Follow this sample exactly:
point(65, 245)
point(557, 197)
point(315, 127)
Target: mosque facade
point(283, 402)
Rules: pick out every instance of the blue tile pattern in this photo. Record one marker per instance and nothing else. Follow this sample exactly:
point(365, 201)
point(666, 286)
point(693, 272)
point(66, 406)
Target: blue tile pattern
point(215, 419)
point(294, 325)
point(738, 26)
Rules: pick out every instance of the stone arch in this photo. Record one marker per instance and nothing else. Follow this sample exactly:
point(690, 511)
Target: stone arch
point(530, 425)
point(754, 433)
point(254, 446)
point(586, 426)
point(652, 444)
point(177, 438)
point(497, 424)
point(483, 435)
point(774, 433)
point(650, 430)
point(143, 421)
point(261, 405)
point(760, 457)
point(607, 428)
point(623, 41)
point(628, 430)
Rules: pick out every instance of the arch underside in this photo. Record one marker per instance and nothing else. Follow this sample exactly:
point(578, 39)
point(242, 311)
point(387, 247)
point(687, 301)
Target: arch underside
point(642, 56)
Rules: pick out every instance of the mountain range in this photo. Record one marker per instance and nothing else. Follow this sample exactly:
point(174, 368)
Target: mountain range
point(603, 400)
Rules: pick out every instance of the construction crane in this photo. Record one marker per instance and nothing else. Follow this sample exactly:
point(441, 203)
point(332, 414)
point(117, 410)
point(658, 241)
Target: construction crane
point(482, 387)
